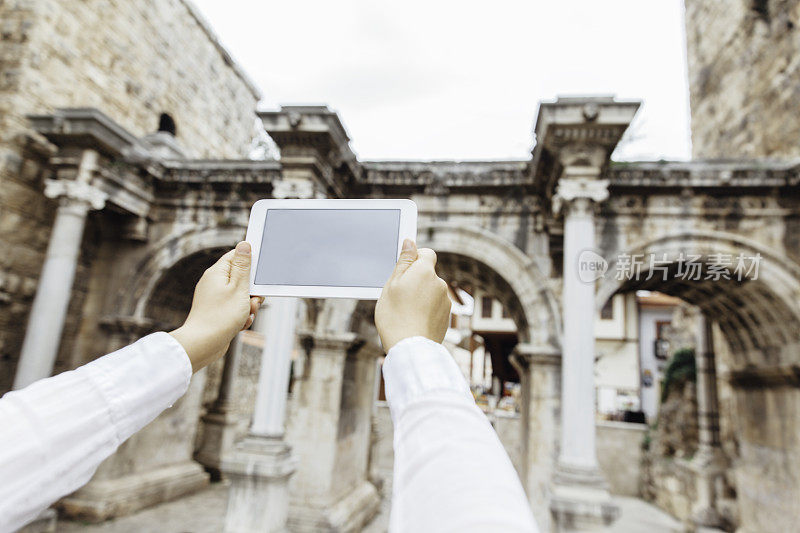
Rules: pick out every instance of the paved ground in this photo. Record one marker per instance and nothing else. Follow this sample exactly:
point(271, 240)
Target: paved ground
point(203, 513)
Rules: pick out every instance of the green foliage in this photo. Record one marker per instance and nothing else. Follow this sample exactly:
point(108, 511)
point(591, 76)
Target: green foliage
point(647, 440)
point(680, 369)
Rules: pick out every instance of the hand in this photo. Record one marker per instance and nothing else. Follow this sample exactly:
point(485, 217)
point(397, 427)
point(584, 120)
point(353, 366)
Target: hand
point(415, 301)
point(221, 308)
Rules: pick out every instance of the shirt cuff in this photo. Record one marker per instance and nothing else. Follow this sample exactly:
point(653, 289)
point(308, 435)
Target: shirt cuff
point(418, 367)
point(141, 380)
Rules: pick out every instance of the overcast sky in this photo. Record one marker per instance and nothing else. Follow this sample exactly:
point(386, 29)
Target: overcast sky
point(434, 79)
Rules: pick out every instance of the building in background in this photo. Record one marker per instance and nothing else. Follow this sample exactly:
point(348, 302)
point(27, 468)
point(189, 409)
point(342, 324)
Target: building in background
point(631, 353)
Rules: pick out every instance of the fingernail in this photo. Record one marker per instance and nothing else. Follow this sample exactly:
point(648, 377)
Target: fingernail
point(252, 317)
point(408, 245)
point(243, 247)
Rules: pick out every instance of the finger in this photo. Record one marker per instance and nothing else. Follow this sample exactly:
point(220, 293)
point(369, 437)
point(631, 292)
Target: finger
point(407, 256)
point(254, 305)
point(240, 264)
point(427, 257)
point(249, 322)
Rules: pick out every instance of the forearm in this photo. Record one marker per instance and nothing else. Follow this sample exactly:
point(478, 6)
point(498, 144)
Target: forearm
point(57, 431)
point(451, 472)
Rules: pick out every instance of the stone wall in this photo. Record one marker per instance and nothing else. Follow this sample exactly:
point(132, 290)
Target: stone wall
point(131, 60)
point(744, 73)
point(768, 468)
point(619, 452)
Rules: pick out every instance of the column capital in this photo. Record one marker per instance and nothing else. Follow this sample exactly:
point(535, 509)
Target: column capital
point(292, 188)
point(334, 342)
point(72, 192)
point(580, 193)
point(536, 354)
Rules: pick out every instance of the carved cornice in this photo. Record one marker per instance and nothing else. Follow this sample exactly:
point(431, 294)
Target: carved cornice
point(221, 171)
point(447, 174)
point(728, 174)
point(313, 139)
point(86, 128)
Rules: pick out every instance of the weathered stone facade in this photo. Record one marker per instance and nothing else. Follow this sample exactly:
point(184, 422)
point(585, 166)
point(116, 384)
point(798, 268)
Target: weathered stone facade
point(743, 77)
point(169, 210)
point(131, 60)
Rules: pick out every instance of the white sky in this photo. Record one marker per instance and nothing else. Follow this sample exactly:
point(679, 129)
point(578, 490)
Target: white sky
point(441, 79)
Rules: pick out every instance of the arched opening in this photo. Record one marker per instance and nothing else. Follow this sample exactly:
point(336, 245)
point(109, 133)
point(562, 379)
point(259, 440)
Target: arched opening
point(167, 124)
point(171, 297)
point(488, 330)
point(755, 335)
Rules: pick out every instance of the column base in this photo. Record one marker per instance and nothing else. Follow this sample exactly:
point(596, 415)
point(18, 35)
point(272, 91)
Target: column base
point(581, 501)
point(708, 464)
point(109, 498)
point(259, 469)
point(349, 514)
point(220, 429)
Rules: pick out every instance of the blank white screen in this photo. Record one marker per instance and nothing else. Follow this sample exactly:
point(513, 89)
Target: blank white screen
point(328, 247)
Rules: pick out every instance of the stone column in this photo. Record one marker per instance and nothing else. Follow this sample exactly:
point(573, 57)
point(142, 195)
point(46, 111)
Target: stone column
point(539, 369)
point(46, 322)
point(331, 433)
point(709, 461)
point(260, 466)
point(221, 420)
point(580, 496)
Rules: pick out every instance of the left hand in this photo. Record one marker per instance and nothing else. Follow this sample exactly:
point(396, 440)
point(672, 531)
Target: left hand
point(221, 308)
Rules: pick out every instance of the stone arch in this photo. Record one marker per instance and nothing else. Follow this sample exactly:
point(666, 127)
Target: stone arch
point(165, 254)
point(759, 317)
point(477, 256)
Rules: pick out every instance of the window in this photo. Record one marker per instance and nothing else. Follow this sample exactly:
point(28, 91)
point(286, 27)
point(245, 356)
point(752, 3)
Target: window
point(661, 344)
point(486, 306)
point(167, 124)
point(607, 312)
point(506, 313)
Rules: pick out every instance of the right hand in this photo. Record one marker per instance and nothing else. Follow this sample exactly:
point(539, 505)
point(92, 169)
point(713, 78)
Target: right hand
point(415, 301)
point(221, 307)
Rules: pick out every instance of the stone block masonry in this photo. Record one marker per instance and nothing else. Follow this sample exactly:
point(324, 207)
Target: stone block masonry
point(131, 60)
point(744, 74)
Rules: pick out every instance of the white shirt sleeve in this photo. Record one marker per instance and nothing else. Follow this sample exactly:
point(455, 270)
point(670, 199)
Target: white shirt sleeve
point(451, 473)
point(56, 432)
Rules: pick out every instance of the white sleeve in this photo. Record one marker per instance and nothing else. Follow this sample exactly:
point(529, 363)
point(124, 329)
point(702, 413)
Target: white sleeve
point(451, 473)
point(55, 432)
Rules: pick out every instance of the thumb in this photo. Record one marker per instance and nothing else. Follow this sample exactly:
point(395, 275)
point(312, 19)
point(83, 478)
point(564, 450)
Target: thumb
point(240, 264)
point(407, 256)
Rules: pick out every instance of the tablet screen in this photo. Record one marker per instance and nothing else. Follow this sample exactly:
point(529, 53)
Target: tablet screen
point(328, 247)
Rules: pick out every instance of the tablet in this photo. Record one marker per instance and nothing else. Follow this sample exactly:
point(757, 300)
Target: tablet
point(327, 248)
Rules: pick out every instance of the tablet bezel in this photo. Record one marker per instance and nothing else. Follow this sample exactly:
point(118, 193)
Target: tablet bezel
point(255, 230)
